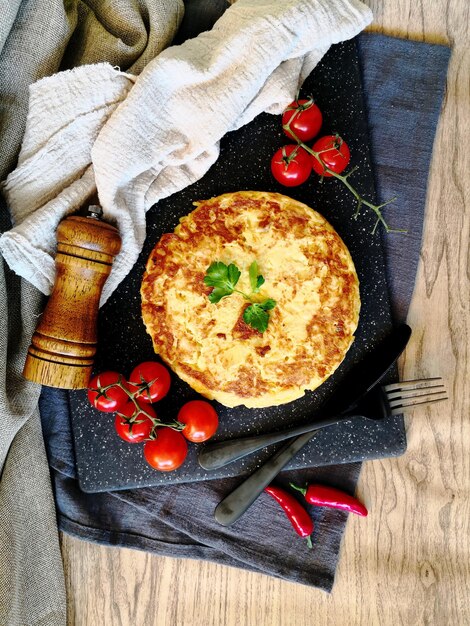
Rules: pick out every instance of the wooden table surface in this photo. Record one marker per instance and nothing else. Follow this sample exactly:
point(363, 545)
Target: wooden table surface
point(407, 563)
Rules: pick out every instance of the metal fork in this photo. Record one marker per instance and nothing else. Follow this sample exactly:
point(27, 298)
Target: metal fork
point(377, 405)
point(385, 401)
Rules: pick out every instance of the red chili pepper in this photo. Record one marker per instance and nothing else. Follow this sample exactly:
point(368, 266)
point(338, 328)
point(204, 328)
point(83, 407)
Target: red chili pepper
point(298, 516)
point(321, 495)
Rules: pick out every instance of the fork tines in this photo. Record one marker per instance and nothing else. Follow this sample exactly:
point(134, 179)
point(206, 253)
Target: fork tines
point(410, 393)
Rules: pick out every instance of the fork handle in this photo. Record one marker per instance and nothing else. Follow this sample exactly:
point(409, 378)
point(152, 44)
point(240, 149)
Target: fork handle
point(222, 453)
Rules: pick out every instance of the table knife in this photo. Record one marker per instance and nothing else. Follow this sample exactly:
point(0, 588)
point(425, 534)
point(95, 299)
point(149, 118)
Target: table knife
point(363, 377)
point(218, 454)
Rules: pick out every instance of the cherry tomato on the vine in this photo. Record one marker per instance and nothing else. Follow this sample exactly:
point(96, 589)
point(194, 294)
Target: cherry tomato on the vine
point(305, 119)
point(167, 451)
point(107, 392)
point(291, 165)
point(132, 424)
point(334, 154)
point(201, 420)
point(151, 379)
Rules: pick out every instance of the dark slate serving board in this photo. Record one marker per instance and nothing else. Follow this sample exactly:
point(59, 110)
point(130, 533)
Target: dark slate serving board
point(104, 462)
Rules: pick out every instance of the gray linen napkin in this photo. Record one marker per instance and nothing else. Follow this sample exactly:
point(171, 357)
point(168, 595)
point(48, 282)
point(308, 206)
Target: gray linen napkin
point(403, 84)
point(36, 38)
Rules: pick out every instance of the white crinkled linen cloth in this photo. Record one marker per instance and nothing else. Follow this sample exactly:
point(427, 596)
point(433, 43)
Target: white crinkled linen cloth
point(139, 139)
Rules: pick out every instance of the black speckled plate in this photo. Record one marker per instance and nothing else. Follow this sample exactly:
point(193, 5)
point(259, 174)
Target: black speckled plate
point(104, 462)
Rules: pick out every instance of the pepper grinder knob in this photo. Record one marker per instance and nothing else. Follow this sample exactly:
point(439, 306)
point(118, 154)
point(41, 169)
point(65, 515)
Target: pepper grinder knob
point(64, 344)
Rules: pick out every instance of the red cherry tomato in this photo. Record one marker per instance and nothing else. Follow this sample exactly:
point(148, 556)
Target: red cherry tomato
point(132, 424)
point(201, 420)
point(289, 170)
point(107, 392)
point(168, 451)
point(305, 119)
point(151, 379)
point(334, 154)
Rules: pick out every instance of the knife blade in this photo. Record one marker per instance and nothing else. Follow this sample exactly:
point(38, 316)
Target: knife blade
point(368, 373)
point(363, 377)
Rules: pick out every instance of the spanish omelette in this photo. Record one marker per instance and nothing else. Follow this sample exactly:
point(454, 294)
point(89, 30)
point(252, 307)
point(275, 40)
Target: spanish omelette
point(308, 271)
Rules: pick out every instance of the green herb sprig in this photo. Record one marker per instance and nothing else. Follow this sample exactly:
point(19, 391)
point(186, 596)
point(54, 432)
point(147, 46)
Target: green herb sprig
point(224, 278)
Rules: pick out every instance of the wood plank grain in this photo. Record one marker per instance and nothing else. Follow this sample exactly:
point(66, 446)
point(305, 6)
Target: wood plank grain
point(408, 562)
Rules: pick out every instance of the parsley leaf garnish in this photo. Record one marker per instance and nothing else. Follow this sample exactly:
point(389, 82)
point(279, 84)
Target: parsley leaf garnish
point(224, 278)
point(257, 316)
point(256, 280)
point(268, 304)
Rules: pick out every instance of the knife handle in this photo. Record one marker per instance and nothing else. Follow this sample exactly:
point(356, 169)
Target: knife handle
point(238, 501)
point(219, 454)
point(64, 344)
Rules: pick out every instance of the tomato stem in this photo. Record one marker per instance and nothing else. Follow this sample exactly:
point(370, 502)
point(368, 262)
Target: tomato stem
point(344, 179)
point(300, 107)
point(288, 158)
point(175, 425)
point(102, 389)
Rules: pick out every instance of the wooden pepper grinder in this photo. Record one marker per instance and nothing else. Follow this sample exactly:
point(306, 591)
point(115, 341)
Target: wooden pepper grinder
point(64, 343)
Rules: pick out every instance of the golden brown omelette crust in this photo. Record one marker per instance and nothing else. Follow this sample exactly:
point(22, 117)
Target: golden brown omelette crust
point(308, 271)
